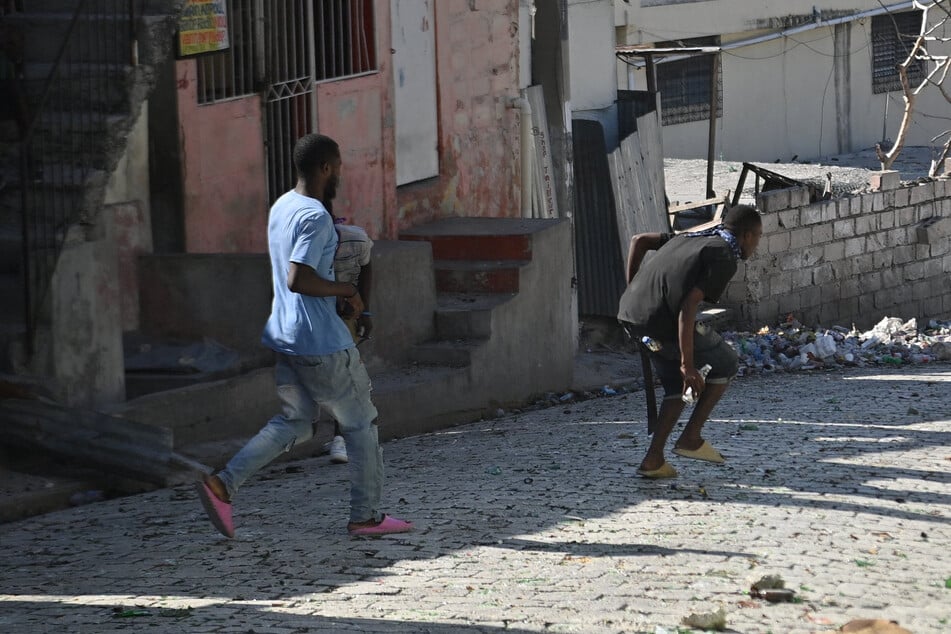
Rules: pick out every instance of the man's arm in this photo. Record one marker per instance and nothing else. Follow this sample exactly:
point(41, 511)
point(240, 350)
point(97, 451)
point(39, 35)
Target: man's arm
point(640, 245)
point(304, 280)
point(687, 322)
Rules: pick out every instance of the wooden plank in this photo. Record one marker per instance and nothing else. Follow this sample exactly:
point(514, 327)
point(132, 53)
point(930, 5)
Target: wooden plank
point(116, 445)
point(544, 171)
point(652, 162)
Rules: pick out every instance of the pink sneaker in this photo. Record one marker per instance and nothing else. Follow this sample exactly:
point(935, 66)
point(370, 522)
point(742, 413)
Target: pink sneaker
point(388, 526)
point(219, 511)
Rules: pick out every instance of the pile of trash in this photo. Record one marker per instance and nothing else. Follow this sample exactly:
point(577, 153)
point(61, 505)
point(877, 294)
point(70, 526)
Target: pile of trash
point(792, 346)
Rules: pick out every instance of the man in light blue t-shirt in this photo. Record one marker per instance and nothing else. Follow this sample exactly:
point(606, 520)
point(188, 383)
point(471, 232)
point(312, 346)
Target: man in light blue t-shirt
point(318, 362)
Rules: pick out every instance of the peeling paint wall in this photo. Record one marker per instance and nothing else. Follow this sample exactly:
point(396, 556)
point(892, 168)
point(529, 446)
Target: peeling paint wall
point(222, 160)
point(477, 66)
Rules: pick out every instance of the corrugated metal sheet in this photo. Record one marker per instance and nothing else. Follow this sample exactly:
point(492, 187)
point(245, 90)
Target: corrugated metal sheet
point(632, 104)
point(599, 265)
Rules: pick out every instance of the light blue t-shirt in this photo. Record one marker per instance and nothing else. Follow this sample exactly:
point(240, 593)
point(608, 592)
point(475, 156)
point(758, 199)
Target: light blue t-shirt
point(301, 230)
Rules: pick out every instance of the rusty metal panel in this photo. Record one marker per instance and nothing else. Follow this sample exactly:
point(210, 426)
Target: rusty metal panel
point(600, 269)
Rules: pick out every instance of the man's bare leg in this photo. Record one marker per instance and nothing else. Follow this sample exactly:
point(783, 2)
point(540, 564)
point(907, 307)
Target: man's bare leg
point(670, 411)
point(690, 438)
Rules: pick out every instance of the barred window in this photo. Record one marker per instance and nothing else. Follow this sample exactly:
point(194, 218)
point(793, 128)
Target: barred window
point(893, 37)
point(231, 73)
point(684, 84)
point(346, 43)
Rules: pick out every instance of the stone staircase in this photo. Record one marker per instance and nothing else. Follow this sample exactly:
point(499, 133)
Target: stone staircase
point(78, 138)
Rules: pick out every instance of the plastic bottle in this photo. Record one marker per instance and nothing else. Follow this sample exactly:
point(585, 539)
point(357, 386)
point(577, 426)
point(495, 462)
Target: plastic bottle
point(689, 396)
point(651, 344)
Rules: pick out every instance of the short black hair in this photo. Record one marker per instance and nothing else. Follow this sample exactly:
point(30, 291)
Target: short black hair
point(313, 151)
point(741, 219)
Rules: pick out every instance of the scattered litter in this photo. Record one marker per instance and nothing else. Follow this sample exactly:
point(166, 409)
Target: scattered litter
point(567, 396)
point(123, 613)
point(772, 588)
point(913, 412)
point(715, 621)
point(862, 563)
point(607, 390)
point(499, 413)
point(749, 427)
point(494, 470)
point(793, 346)
point(873, 626)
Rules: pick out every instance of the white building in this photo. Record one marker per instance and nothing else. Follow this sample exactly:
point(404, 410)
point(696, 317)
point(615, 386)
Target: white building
point(802, 78)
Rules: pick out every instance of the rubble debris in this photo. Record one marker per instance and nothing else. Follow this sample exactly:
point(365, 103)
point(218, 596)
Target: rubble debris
point(715, 621)
point(793, 346)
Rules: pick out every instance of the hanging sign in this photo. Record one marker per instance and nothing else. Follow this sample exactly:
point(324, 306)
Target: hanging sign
point(203, 27)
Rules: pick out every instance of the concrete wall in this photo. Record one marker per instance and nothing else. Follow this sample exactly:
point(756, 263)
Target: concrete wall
point(785, 98)
point(222, 160)
point(851, 260)
point(591, 57)
point(477, 69)
point(227, 297)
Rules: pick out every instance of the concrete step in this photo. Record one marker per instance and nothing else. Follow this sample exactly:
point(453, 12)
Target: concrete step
point(466, 316)
point(479, 239)
point(483, 276)
point(456, 353)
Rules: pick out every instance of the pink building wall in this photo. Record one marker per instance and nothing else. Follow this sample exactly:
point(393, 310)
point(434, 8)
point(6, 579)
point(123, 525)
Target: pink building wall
point(477, 77)
point(222, 158)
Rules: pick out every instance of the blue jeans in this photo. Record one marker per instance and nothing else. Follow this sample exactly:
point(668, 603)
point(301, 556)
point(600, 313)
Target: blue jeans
point(338, 382)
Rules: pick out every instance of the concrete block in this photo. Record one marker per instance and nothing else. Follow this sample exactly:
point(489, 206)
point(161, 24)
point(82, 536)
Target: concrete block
point(854, 246)
point(892, 278)
point(811, 296)
point(844, 268)
point(770, 223)
point(780, 283)
point(800, 238)
point(877, 201)
point(843, 228)
point(812, 256)
point(789, 218)
point(823, 274)
point(946, 263)
point(865, 224)
point(773, 201)
point(886, 219)
point(913, 271)
point(828, 210)
point(932, 306)
point(872, 282)
point(798, 197)
point(862, 264)
point(903, 196)
point(921, 193)
point(933, 228)
point(897, 236)
point(922, 251)
point(789, 303)
point(812, 214)
point(850, 288)
point(778, 242)
point(904, 254)
point(834, 251)
point(847, 308)
point(933, 268)
point(866, 304)
point(830, 293)
point(884, 180)
point(907, 216)
point(921, 290)
point(876, 241)
point(801, 278)
point(941, 247)
point(883, 259)
point(822, 233)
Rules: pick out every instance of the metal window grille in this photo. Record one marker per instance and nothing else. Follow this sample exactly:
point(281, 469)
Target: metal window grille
point(232, 73)
point(893, 37)
point(684, 85)
point(345, 44)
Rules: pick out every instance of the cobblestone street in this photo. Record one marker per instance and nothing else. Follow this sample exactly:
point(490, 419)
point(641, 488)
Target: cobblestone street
point(537, 522)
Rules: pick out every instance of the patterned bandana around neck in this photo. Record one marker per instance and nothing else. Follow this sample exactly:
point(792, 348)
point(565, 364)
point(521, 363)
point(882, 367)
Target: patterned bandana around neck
point(723, 233)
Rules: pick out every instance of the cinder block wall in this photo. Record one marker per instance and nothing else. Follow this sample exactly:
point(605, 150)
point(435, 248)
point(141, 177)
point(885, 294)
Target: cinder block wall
point(850, 260)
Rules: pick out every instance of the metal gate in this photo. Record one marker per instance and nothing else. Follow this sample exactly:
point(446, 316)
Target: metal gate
point(290, 104)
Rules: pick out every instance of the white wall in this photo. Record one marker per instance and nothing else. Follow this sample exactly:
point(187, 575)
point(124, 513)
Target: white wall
point(591, 54)
point(779, 100)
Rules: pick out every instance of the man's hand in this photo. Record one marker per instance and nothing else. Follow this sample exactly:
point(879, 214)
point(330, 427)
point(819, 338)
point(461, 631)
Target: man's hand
point(692, 379)
point(364, 326)
point(347, 307)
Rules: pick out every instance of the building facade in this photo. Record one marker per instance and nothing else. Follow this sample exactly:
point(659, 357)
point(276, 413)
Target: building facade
point(798, 79)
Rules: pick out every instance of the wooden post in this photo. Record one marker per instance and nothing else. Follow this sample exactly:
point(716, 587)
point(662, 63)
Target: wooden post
point(714, 106)
point(651, 74)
